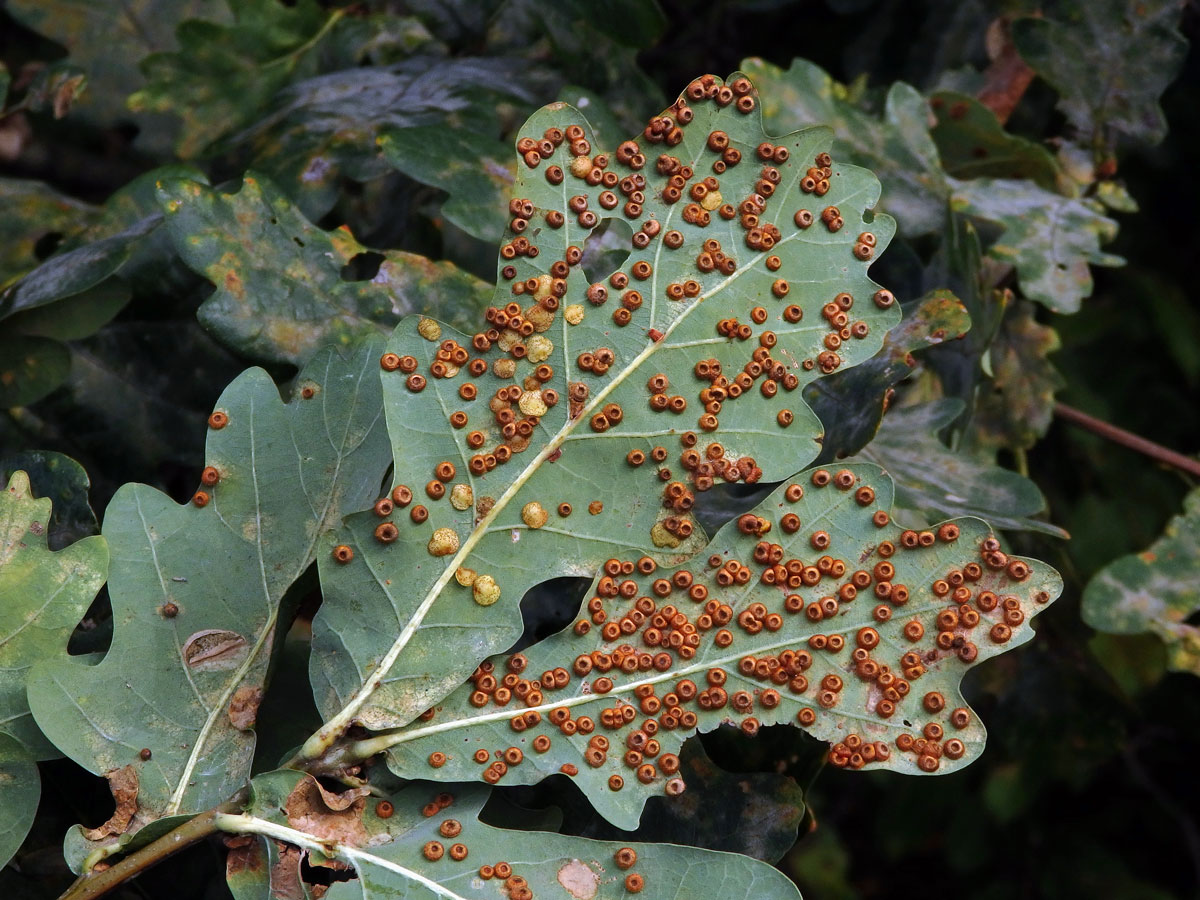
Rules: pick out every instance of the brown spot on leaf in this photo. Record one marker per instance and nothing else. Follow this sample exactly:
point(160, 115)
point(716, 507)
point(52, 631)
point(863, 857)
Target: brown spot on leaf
point(579, 880)
point(214, 650)
point(327, 816)
point(243, 707)
point(123, 783)
point(233, 284)
point(244, 857)
point(285, 874)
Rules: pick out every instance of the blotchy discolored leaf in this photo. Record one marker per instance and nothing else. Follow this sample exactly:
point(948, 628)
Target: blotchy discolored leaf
point(280, 287)
point(813, 608)
point(1017, 410)
point(195, 587)
point(1051, 239)
point(1110, 60)
point(896, 146)
point(64, 482)
point(20, 788)
point(43, 595)
point(582, 405)
point(223, 75)
point(32, 212)
point(935, 482)
point(419, 842)
point(1155, 591)
point(108, 42)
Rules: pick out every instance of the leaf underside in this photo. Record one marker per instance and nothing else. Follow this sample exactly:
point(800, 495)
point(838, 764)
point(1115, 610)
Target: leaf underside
point(402, 625)
point(196, 588)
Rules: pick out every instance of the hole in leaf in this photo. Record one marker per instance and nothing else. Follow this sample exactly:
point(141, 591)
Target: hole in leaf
point(47, 244)
point(363, 266)
point(550, 607)
point(868, 216)
point(325, 875)
point(606, 249)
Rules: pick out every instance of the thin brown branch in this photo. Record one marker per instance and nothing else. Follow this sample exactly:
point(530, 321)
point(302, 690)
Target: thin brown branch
point(1128, 439)
point(99, 882)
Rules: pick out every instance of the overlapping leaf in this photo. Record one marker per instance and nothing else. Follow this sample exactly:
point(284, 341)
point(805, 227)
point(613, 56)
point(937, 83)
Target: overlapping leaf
point(343, 124)
point(896, 146)
point(1050, 239)
point(935, 482)
point(973, 144)
point(1135, 44)
point(1017, 410)
point(281, 289)
point(32, 212)
point(405, 621)
point(853, 402)
point(893, 647)
point(1155, 591)
point(419, 842)
point(20, 787)
point(196, 587)
point(43, 595)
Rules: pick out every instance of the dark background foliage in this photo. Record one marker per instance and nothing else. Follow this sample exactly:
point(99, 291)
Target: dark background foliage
point(1087, 788)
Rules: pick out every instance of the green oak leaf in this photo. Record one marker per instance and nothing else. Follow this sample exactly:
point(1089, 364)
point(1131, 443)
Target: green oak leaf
point(43, 594)
point(107, 42)
point(396, 854)
point(195, 587)
point(935, 482)
point(1155, 591)
point(280, 287)
point(972, 143)
point(223, 75)
point(756, 660)
point(1049, 238)
point(1109, 60)
point(30, 368)
point(20, 789)
point(896, 145)
point(407, 619)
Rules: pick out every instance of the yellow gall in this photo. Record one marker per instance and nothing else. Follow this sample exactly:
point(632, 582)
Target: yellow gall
point(534, 514)
point(712, 200)
point(580, 166)
point(486, 590)
point(429, 329)
point(462, 497)
point(532, 404)
point(464, 576)
point(538, 349)
point(444, 542)
point(573, 314)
